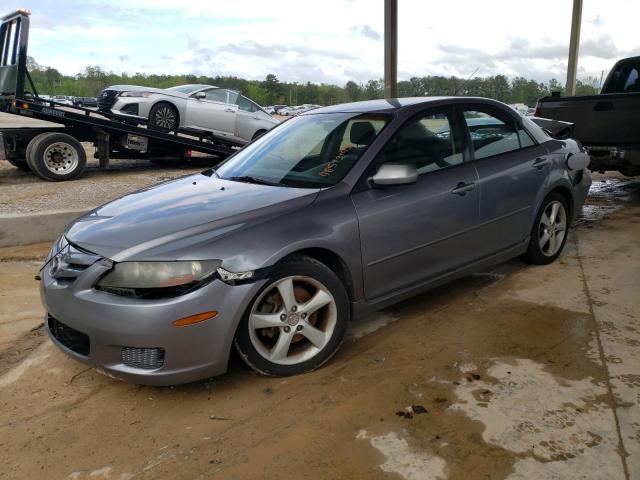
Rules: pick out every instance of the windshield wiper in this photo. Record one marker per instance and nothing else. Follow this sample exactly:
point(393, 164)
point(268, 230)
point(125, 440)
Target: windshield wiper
point(250, 179)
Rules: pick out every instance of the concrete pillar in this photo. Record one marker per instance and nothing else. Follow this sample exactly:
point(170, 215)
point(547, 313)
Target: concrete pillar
point(574, 44)
point(390, 48)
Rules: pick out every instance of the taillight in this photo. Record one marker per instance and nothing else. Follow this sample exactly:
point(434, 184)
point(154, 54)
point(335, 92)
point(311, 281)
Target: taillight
point(536, 113)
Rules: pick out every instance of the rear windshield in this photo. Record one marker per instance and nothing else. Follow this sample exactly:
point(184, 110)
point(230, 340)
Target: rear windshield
point(624, 79)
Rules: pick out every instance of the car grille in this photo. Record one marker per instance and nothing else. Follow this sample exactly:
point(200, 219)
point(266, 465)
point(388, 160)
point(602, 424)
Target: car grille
point(70, 262)
point(71, 338)
point(106, 100)
point(145, 358)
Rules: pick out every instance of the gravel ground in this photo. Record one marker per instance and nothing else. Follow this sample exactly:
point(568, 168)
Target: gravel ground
point(24, 192)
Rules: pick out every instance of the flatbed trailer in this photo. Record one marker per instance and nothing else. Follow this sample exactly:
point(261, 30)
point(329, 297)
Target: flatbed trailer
point(56, 153)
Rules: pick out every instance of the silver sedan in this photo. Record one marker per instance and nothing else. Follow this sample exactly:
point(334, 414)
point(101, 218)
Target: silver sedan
point(196, 107)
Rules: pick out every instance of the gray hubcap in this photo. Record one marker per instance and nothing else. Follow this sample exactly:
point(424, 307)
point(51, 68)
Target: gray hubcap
point(164, 117)
point(293, 320)
point(552, 228)
point(60, 158)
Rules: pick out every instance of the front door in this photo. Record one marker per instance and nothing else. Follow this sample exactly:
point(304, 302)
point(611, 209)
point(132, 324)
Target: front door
point(212, 113)
point(410, 233)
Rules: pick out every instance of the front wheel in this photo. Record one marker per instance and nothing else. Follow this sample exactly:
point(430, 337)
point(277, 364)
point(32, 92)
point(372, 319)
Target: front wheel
point(296, 322)
point(549, 233)
point(164, 116)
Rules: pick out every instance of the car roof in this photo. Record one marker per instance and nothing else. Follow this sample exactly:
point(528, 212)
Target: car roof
point(392, 105)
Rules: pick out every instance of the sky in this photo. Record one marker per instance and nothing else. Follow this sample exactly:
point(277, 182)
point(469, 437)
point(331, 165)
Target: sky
point(330, 41)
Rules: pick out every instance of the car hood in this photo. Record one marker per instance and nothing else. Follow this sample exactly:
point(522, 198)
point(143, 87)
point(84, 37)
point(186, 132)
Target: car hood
point(197, 209)
point(138, 88)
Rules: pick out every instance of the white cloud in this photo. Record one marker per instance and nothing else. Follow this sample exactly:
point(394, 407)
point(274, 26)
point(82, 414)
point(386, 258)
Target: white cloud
point(332, 41)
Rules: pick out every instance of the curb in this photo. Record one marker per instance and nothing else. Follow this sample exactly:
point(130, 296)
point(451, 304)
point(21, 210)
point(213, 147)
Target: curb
point(35, 227)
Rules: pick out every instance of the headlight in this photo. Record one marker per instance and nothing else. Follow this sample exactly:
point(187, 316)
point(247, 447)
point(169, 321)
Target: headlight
point(136, 94)
point(58, 245)
point(157, 279)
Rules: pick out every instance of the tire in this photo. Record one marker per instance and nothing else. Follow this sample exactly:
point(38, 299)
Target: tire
point(20, 163)
point(56, 156)
point(258, 134)
point(261, 347)
point(164, 116)
point(28, 155)
point(549, 232)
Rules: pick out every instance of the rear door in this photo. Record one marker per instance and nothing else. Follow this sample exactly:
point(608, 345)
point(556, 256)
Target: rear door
point(410, 233)
point(247, 119)
point(213, 113)
point(512, 170)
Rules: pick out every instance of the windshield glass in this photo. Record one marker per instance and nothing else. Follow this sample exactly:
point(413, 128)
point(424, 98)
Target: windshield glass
point(309, 151)
point(186, 88)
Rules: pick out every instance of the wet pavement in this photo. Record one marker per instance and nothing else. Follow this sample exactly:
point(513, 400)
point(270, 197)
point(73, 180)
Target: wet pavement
point(520, 372)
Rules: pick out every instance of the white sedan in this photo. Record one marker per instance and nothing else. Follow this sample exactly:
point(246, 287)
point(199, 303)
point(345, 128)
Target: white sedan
point(195, 107)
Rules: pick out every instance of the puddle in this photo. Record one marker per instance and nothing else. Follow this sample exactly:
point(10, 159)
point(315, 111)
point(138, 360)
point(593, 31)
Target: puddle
point(402, 460)
point(360, 327)
point(607, 196)
point(558, 428)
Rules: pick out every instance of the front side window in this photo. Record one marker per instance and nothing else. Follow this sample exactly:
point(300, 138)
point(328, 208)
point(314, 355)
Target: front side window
point(217, 95)
point(430, 142)
point(309, 151)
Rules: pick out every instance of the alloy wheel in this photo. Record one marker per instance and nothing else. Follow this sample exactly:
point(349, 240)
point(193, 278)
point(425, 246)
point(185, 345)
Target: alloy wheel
point(293, 320)
point(552, 228)
point(165, 117)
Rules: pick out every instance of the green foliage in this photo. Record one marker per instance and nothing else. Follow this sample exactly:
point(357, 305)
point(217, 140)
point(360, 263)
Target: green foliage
point(272, 91)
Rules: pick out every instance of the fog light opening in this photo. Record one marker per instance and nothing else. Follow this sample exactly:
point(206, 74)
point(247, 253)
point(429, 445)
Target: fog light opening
point(197, 318)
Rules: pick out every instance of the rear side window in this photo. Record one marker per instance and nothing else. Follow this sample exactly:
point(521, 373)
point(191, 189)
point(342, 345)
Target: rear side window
point(493, 133)
point(430, 142)
point(246, 105)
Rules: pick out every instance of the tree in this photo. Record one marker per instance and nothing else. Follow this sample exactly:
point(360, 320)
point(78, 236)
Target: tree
point(352, 91)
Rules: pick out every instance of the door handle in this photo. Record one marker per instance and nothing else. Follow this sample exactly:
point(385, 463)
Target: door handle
point(230, 110)
point(603, 106)
point(462, 188)
point(540, 162)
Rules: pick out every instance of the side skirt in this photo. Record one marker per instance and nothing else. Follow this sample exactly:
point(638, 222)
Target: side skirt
point(364, 307)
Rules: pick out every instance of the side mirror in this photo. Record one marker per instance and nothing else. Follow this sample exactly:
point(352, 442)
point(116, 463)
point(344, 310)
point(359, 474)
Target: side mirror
point(578, 161)
point(395, 174)
point(200, 95)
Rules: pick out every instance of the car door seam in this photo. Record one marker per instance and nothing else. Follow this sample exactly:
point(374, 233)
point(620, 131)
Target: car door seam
point(433, 242)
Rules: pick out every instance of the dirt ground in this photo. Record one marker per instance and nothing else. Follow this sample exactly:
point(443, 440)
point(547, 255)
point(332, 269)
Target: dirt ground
point(520, 372)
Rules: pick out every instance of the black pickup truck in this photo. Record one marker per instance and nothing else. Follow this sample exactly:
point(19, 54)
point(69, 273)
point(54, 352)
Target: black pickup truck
point(608, 125)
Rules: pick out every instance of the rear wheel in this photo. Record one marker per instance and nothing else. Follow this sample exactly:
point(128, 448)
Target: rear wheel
point(297, 321)
point(164, 116)
point(56, 156)
point(550, 229)
point(258, 134)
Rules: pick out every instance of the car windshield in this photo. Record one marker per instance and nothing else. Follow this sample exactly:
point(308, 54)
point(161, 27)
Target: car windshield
point(186, 88)
point(309, 151)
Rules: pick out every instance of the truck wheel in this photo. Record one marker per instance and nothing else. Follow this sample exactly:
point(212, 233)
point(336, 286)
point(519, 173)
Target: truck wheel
point(164, 116)
point(20, 163)
point(56, 156)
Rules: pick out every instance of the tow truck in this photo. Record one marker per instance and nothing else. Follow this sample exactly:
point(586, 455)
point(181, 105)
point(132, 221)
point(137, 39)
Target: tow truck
point(56, 153)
